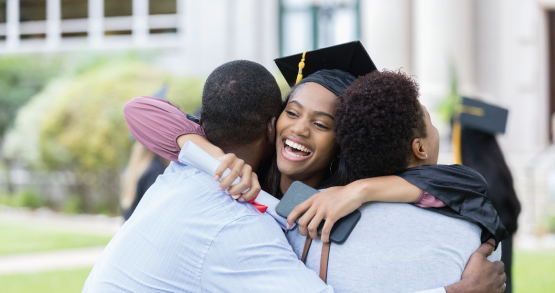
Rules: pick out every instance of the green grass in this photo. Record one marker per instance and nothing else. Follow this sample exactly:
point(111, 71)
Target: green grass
point(67, 281)
point(534, 271)
point(24, 238)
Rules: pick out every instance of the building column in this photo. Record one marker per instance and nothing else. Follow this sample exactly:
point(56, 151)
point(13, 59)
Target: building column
point(140, 22)
point(386, 32)
point(53, 23)
point(443, 46)
point(96, 23)
point(12, 24)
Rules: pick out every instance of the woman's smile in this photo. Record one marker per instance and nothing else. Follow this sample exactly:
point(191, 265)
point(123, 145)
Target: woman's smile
point(295, 150)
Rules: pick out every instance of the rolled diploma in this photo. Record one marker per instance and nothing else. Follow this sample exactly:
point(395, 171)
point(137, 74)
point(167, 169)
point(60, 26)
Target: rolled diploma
point(194, 156)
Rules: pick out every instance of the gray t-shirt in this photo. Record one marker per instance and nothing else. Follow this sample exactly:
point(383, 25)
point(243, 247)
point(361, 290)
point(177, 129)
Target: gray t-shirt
point(397, 247)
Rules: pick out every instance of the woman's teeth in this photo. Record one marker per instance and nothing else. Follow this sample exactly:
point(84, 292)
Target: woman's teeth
point(298, 147)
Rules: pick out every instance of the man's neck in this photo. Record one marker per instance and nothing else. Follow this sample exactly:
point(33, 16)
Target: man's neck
point(252, 153)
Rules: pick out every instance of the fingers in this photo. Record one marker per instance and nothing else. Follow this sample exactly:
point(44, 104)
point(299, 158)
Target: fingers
point(254, 189)
point(486, 249)
point(305, 220)
point(314, 223)
point(235, 171)
point(244, 184)
point(326, 230)
point(298, 211)
point(226, 162)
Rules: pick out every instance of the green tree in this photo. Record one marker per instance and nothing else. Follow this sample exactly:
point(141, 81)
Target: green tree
point(21, 77)
point(77, 124)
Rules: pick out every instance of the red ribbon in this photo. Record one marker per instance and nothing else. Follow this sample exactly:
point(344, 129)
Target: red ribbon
point(260, 207)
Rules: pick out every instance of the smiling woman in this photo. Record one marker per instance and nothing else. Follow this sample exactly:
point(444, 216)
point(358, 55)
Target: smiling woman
point(305, 137)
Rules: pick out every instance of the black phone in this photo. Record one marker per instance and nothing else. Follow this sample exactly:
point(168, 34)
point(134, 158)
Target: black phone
point(298, 193)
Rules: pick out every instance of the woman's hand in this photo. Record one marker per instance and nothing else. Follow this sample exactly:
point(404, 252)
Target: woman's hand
point(331, 205)
point(249, 180)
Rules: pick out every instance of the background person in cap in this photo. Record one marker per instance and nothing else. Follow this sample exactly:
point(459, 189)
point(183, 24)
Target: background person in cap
point(141, 172)
point(479, 123)
point(323, 84)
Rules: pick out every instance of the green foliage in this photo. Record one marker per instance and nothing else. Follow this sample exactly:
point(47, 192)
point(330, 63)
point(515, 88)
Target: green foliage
point(446, 107)
point(21, 77)
point(73, 205)
point(78, 123)
point(551, 223)
point(27, 198)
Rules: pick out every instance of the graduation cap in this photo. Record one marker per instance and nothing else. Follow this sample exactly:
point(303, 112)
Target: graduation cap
point(482, 116)
point(479, 116)
point(334, 67)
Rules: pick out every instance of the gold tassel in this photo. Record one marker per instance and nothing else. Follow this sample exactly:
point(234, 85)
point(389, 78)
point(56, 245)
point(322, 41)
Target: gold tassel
point(456, 142)
point(301, 66)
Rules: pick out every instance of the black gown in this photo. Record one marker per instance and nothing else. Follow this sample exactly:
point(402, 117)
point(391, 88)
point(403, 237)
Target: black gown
point(465, 194)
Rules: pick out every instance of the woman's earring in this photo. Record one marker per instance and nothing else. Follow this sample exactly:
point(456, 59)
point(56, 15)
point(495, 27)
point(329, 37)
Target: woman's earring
point(426, 156)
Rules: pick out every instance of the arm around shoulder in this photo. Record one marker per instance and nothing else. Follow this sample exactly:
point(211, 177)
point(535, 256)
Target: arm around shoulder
point(157, 124)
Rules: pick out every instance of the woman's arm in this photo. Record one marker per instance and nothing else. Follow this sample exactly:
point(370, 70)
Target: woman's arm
point(157, 124)
point(336, 202)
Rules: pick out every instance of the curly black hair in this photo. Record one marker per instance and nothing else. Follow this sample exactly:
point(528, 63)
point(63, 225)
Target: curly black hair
point(238, 99)
point(376, 120)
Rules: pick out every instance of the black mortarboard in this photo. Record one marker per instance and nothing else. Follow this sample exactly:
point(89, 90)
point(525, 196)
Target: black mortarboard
point(334, 67)
point(482, 116)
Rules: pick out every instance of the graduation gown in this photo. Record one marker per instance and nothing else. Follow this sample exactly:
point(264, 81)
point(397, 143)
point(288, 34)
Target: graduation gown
point(465, 194)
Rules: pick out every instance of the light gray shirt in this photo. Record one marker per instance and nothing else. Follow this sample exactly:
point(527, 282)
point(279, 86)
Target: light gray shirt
point(397, 247)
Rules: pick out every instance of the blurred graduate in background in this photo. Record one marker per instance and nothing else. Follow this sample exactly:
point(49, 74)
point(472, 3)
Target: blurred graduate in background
point(141, 172)
point(474, 145)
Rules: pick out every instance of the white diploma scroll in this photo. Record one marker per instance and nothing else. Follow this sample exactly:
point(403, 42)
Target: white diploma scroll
point(194, 156)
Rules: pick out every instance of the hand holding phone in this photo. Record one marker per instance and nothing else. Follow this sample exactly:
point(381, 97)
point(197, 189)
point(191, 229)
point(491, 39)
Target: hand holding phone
point(301, 194)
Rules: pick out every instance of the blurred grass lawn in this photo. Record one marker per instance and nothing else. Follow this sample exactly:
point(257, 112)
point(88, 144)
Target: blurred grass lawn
point(25, 238)
point(66, 281)
point(534, 271)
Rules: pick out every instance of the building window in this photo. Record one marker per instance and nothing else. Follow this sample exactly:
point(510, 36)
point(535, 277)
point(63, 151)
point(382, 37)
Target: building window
point(312, 24)
point(118, 8)
point(31, 10)
point(74, 9)
point(162, 7)
point(2, 11)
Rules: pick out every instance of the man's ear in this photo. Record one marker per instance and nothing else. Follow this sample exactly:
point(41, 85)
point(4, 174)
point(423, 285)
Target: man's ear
point(419, 149)
point(271, 131)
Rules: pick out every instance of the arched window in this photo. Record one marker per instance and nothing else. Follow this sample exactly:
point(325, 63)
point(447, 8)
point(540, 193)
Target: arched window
point(309, 24)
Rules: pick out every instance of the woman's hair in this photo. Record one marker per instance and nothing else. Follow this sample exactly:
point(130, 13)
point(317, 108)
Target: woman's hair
point(376, 120)
point(339, 174)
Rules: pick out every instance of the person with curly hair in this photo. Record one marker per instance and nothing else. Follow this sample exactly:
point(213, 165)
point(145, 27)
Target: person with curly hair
point(383, 129)
point(380, 112)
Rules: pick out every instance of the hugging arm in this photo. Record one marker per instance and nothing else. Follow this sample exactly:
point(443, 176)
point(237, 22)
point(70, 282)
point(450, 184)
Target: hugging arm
point(157, 124)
